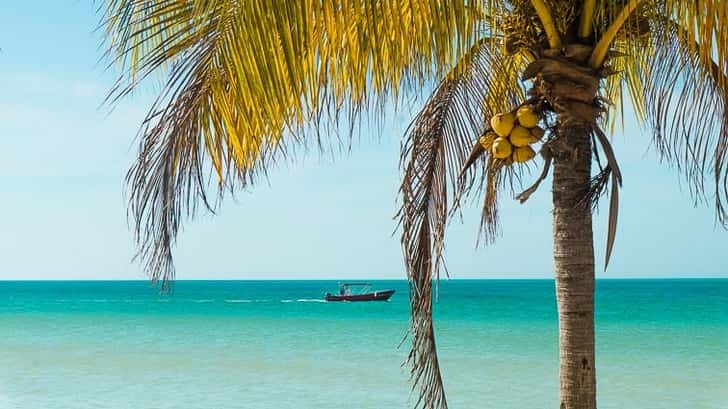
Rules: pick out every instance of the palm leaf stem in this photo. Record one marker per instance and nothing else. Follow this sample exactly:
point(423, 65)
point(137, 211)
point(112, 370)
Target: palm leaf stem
point(548, 23)
point(600, 50)
point(548, 158)
point(587, 18)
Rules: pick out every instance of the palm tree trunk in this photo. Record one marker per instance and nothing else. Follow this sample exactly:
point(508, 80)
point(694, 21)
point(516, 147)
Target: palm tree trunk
point(574, 267)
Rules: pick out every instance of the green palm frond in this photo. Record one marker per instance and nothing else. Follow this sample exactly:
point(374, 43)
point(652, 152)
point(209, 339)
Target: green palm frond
point(244, 79)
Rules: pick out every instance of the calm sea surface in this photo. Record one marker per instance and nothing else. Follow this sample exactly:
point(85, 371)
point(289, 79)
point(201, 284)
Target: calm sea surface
point(274, 344)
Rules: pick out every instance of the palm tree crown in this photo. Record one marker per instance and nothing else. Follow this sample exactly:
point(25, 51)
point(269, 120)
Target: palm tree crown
point(246, 81)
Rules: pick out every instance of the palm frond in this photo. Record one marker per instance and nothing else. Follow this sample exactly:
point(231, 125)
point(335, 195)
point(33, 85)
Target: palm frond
point(547, 160)
point(702, 28)
point(547, 20)
point(539, 25)
point(607, 38)
point(615, 174)
point(586, 18)
point(435, 146)
point(626, 60)
point(245, 79)
point(606, 12)
point(686, 102)
point(506, 91)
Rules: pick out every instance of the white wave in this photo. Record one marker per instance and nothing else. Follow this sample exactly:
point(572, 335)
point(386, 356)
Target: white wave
point(202, 301)
point(305, 300)
point(238, 301)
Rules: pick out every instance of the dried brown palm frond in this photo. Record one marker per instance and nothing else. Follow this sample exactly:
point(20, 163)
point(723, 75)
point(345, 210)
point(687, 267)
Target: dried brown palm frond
point(547, 161)
point(686, 98)
point(668, 58)
point(608, 175)
point(435, 146)
point(492, 184)
point(483, 174)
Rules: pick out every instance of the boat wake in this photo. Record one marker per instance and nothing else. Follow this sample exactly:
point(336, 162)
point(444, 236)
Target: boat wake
point(304, 300)
point(244, 301)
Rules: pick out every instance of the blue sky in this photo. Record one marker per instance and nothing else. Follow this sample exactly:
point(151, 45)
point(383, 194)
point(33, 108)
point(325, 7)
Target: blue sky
point(63, 210)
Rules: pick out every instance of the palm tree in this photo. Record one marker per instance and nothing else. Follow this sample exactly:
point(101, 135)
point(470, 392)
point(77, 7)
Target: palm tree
point(248, 81)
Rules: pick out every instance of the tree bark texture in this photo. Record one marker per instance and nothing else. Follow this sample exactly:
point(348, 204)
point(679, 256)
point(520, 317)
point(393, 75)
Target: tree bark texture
point(574, 266)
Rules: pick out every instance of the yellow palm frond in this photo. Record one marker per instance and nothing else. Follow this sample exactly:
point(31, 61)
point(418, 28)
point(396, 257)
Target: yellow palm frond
point(704, 27)
point(633, 52)
point(586, 19)
point(242, 75)
point(544, 13)
point(612, 31)
point(606, 12)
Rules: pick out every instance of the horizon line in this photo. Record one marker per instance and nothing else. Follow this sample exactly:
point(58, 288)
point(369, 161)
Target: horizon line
point(359, 279)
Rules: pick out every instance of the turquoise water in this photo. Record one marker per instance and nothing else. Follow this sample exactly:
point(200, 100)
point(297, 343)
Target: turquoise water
point(273, 344)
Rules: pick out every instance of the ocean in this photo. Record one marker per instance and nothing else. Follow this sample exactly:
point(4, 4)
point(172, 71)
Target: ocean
point(661, 344)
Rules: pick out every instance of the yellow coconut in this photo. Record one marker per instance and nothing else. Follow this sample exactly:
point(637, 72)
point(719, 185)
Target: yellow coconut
point(523, 154)
point(526, 117)
point(486, 141)
point(537, 132)
point(503, 124)
point(501, 148)
point(521, 136)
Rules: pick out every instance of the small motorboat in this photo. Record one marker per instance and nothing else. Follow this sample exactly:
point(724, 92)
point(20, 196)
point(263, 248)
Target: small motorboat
point(358, 292)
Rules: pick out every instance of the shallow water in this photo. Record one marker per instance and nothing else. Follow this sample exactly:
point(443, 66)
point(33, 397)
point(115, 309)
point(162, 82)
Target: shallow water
point(274, 344)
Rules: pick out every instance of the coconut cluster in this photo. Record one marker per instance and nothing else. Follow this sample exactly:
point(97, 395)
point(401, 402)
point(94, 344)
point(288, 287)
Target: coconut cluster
point(512, 134)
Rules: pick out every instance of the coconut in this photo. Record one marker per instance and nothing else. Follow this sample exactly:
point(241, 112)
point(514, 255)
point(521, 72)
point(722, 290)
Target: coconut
point(526, 117)
point(521, 136)
point(523, 154)
point(503, 123)
point(501, 148)
point(486, 141)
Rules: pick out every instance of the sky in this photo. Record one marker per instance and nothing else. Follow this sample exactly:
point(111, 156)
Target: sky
point(63, 158)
